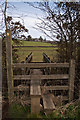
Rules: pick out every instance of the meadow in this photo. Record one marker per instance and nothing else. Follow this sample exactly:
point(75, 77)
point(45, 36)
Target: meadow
point(23, 52)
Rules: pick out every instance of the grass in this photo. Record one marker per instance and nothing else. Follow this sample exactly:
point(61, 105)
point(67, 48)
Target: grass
point(34, 43)
point(18, 111)
point(37, 52)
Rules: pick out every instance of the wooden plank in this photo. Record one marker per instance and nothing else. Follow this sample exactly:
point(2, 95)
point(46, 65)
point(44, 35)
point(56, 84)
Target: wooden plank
point(41, 50)
point(71, 79)
point(9, 64)
point(36, 77)
point(55, 87)
point(29, 58)
point(40, 65)
point(46, 58)
point(35, 90)
point(35, 46)
point(48, 102)
point(35, 104)
point(21, 88)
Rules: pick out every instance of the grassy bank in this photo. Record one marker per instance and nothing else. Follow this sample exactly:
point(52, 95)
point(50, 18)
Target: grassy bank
point(37, 51)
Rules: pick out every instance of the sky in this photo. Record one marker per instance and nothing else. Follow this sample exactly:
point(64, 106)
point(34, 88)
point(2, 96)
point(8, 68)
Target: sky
point(28, 15)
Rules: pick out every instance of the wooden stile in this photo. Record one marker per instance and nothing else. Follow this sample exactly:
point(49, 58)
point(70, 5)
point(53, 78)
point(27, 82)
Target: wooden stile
point(35, 88)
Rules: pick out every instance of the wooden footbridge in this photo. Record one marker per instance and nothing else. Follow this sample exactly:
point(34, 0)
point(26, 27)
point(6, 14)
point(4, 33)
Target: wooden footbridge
point(44, 84)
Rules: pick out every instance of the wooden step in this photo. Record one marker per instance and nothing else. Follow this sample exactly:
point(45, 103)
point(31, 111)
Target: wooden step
point(35, 90)
point(48, 104)
point(35, 93)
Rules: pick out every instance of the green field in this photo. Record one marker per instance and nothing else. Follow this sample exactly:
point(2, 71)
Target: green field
point(37, 51)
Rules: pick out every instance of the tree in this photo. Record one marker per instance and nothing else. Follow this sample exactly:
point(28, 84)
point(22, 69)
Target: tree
point(61, 23)
point(16, 28)
point(17, 31)
point(41, 39)
point(29, 38)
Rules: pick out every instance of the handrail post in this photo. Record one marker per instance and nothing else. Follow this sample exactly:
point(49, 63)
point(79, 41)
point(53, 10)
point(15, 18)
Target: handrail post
point(71, 79)
point(1, 78)
point(9, 64)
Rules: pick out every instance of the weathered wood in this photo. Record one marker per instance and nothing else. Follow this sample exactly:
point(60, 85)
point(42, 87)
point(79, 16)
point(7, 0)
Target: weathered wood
point(41, 50)
point(36, 77)
point(55, 87)
point(58, 100)
point(1, 78)
point(21, 88)
point(9, 64)
point(71, 79)
point(40, 65)
point(35, 93)
point(29, 58)
point(48, 103)
point(0, 64)
point(35, 90)
point(46, 58)
point(79, 92)
point(35, 104)
point(36, 46)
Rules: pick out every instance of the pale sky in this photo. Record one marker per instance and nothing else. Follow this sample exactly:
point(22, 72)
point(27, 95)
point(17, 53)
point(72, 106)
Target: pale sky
point(27, 14)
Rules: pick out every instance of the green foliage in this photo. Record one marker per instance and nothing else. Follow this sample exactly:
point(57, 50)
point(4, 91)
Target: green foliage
point(18, 111)
point(33, 116)
point(73, 112)
point(41, 39)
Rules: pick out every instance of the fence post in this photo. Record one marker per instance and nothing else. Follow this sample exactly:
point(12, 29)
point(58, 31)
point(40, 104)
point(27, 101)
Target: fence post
point(79, 92)
point(9, 64)
point(1, 78)
point(71, 79)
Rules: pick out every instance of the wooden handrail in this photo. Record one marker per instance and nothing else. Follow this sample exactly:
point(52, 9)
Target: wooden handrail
point(40, 65)
point(29, 58)
point(46, 58)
